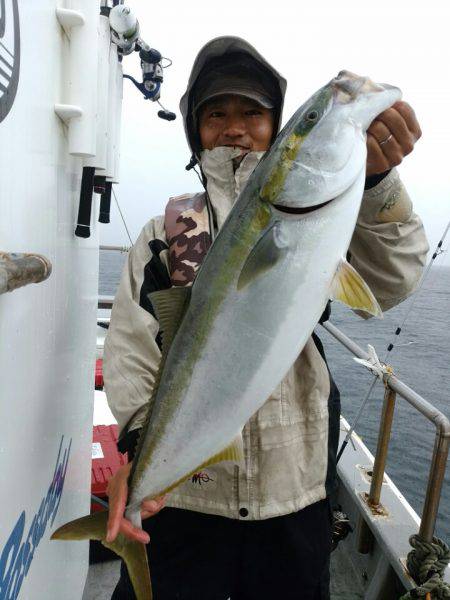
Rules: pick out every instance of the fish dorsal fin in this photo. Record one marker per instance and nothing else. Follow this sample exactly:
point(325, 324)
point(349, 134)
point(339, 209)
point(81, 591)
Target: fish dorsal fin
point(170, 306)
point(268, 250)
point(350, 288)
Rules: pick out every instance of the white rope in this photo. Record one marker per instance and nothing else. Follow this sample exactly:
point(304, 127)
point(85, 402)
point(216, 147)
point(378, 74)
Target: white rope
point(373, 363)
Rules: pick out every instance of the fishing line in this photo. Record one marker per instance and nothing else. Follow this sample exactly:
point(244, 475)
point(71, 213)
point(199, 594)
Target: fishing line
point(358, 415)
point(391, 346)
point(438, 251)
point(123, 220)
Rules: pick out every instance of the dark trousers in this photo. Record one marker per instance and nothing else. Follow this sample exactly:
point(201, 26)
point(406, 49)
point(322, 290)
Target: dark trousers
point(194, 556)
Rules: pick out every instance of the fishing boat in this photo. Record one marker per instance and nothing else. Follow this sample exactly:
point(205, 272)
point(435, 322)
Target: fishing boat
point(59, 158)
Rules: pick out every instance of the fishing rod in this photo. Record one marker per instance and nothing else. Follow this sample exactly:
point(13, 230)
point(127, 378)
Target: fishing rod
point(438, 251)
point(124, 33)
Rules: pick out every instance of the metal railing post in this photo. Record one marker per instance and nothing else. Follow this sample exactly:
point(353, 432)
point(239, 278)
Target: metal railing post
point(365, 536)
point(435, 479)
point(384, 437)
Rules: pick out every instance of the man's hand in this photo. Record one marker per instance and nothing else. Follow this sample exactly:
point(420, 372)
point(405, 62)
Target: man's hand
point(390, 137)
point(117, 491)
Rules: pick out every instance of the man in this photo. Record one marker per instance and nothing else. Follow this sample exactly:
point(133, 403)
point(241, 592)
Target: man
point(262, 531)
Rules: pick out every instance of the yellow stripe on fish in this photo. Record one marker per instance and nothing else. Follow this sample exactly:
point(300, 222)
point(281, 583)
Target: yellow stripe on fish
point(275, 182)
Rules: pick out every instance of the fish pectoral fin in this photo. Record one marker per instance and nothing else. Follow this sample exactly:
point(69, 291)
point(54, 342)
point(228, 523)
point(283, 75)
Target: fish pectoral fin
point(267, 252)
point(93, 527)
point(350, 288)
point(170, 306)
point(234, 452)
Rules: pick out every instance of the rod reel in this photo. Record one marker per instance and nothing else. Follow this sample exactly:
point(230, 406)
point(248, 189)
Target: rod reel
point(125, 34)
point(124, 28)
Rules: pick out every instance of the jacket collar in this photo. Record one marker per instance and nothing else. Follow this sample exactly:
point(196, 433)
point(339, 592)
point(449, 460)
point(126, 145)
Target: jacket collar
point(223, 182)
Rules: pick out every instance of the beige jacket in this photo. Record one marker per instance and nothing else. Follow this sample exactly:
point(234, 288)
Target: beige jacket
point(286, 441)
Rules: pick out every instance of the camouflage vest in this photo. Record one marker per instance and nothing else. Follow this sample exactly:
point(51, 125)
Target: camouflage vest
point(188, 235)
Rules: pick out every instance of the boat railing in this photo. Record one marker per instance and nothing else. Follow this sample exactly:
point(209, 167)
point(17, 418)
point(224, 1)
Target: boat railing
point(105, 301)
point(441, 423)
point(116, 248)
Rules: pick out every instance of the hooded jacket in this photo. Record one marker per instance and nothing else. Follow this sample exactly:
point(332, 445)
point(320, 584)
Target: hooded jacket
point(214, 50)
point(290, 442)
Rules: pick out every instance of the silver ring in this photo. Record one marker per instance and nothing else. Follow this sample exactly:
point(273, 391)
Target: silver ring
point(386, 140)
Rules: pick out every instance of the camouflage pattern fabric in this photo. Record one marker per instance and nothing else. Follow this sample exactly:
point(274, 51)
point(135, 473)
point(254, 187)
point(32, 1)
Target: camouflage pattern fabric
point(188, 236)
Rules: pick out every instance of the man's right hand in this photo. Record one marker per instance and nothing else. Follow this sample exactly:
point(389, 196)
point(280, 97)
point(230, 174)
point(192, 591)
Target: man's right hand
point(117, 492)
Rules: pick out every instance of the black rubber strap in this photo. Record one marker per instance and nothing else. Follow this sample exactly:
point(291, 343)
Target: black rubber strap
point(83, 228)
point(105, 204)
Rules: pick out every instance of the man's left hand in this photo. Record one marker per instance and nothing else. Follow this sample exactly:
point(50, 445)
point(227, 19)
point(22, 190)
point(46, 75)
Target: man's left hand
point(390, 137)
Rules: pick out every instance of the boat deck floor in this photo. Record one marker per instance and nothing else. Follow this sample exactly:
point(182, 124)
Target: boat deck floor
point(345, 580)
point(102, 579)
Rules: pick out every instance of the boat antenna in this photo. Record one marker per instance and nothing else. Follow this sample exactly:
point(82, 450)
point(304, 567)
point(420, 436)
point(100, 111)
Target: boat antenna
point(391, 345)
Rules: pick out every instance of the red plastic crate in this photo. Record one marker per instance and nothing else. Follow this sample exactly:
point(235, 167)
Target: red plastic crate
point(99, 374)
point(106, 460)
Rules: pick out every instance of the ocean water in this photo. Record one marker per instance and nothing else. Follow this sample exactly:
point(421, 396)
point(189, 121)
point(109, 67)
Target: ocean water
point(421, 358)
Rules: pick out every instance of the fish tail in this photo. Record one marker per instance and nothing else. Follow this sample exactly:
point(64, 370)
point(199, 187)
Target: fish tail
point(93, 527)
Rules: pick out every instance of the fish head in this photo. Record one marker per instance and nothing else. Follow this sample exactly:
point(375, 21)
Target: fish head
point(364, 98)
point(322, 149)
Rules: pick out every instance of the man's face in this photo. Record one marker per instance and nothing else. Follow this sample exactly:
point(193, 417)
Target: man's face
point(237, 122)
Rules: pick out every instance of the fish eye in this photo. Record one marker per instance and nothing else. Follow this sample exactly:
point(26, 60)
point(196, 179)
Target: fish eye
point(312, 115)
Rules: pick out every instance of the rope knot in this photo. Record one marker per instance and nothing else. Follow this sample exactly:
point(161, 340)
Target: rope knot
point(426, 564)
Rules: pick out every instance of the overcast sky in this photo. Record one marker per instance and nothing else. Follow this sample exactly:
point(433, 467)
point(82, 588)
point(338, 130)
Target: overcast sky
point(405, 43)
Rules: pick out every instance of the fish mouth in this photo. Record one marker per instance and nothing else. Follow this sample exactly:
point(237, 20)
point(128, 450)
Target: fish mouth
point(301, 211)
point(348, 86)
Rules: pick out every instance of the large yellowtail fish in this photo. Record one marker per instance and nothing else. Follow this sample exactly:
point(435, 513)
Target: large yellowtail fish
point(230, 339)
